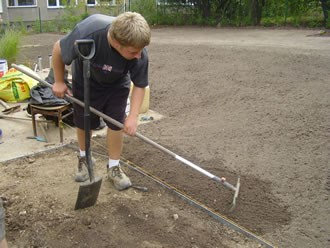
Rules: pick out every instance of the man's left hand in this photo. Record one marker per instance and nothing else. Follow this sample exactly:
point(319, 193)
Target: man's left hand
point(130, 125)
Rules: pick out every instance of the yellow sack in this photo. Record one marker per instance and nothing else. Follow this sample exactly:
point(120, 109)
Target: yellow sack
point(15, 86)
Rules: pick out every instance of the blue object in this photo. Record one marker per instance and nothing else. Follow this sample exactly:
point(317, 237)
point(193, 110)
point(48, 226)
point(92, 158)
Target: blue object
point(144, 118)
point(37, 138)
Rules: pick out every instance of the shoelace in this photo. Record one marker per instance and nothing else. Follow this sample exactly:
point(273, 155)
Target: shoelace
point(82, 161)
point(117, 172)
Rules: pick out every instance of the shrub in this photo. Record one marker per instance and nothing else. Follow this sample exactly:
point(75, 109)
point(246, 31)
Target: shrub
point(267, 22)
point(148, 9)
point(9, 45)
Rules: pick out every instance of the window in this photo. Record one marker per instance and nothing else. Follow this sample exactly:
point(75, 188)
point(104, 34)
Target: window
point(96, 2)
point(57, 3)
point(17, 3)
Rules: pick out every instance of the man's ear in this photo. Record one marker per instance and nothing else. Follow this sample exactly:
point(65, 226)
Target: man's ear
point(114, 43)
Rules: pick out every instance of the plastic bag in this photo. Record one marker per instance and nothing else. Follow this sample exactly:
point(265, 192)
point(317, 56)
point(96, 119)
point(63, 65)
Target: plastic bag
point(15, 86)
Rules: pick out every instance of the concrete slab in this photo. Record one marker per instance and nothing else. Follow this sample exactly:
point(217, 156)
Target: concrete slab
point(15, 132)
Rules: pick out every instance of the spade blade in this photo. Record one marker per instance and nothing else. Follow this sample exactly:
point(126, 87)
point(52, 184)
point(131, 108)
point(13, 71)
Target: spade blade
point(88, 193)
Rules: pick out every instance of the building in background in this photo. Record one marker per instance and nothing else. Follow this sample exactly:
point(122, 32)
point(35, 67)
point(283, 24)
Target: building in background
point(32, 11)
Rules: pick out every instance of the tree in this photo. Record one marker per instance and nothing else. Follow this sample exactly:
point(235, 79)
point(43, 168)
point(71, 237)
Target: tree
point(256, 10)
point(326, 9)
point(205, 7)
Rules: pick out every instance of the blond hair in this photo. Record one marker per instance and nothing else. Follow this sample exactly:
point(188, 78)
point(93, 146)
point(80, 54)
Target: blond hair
point(130, 29)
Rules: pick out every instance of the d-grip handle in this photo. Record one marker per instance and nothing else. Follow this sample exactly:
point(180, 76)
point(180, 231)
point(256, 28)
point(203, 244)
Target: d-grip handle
point(85, 48)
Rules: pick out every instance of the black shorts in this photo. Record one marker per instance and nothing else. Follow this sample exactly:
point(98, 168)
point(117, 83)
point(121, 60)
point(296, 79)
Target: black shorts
point(110, 101)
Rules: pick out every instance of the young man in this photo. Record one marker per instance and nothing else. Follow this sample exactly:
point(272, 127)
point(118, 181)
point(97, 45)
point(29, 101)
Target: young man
point(120, 58)
point(3, 241)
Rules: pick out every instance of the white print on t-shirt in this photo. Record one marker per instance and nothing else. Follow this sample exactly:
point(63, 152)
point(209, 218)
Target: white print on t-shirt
point(107, 68)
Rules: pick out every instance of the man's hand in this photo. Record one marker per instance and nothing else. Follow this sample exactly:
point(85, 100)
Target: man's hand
point(130, 125)
point(60, 89)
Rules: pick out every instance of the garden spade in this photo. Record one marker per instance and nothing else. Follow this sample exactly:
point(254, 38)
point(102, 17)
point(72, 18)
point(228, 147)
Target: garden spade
point(88, 191)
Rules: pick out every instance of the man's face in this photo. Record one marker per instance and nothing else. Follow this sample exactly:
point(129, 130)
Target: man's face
point(130, 53)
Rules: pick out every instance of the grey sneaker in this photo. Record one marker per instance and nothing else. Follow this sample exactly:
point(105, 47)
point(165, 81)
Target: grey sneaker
point(119, 178)
point(81, 173)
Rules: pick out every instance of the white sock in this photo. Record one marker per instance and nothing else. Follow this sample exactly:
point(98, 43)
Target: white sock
point(82, 153)
point(113, 163)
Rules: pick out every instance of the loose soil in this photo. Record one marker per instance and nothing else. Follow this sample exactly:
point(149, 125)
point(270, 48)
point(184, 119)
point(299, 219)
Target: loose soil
point(248, 103)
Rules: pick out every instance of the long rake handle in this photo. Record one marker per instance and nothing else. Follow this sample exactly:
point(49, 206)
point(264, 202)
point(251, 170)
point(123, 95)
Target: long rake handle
point(140, 136)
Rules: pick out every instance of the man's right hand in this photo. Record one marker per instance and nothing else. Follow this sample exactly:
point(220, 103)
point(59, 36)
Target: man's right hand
point(60, 89)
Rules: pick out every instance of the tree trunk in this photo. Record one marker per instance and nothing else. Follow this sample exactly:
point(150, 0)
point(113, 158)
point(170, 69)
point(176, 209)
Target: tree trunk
point(256, 11)
point(253, 11)
point(206, 9)
point(326, 8)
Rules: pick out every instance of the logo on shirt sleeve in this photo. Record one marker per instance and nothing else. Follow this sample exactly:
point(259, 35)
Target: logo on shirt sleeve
point(107, 68)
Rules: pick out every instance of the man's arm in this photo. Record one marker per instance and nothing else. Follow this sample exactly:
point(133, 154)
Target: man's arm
point(59, 87)
point(131, 121)
point(3, 241)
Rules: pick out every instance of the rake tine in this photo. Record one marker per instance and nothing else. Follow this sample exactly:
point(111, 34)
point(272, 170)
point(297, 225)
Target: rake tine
point(233, 205)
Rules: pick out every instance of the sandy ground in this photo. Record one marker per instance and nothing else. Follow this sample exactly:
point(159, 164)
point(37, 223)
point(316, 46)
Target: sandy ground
point(248, 103)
